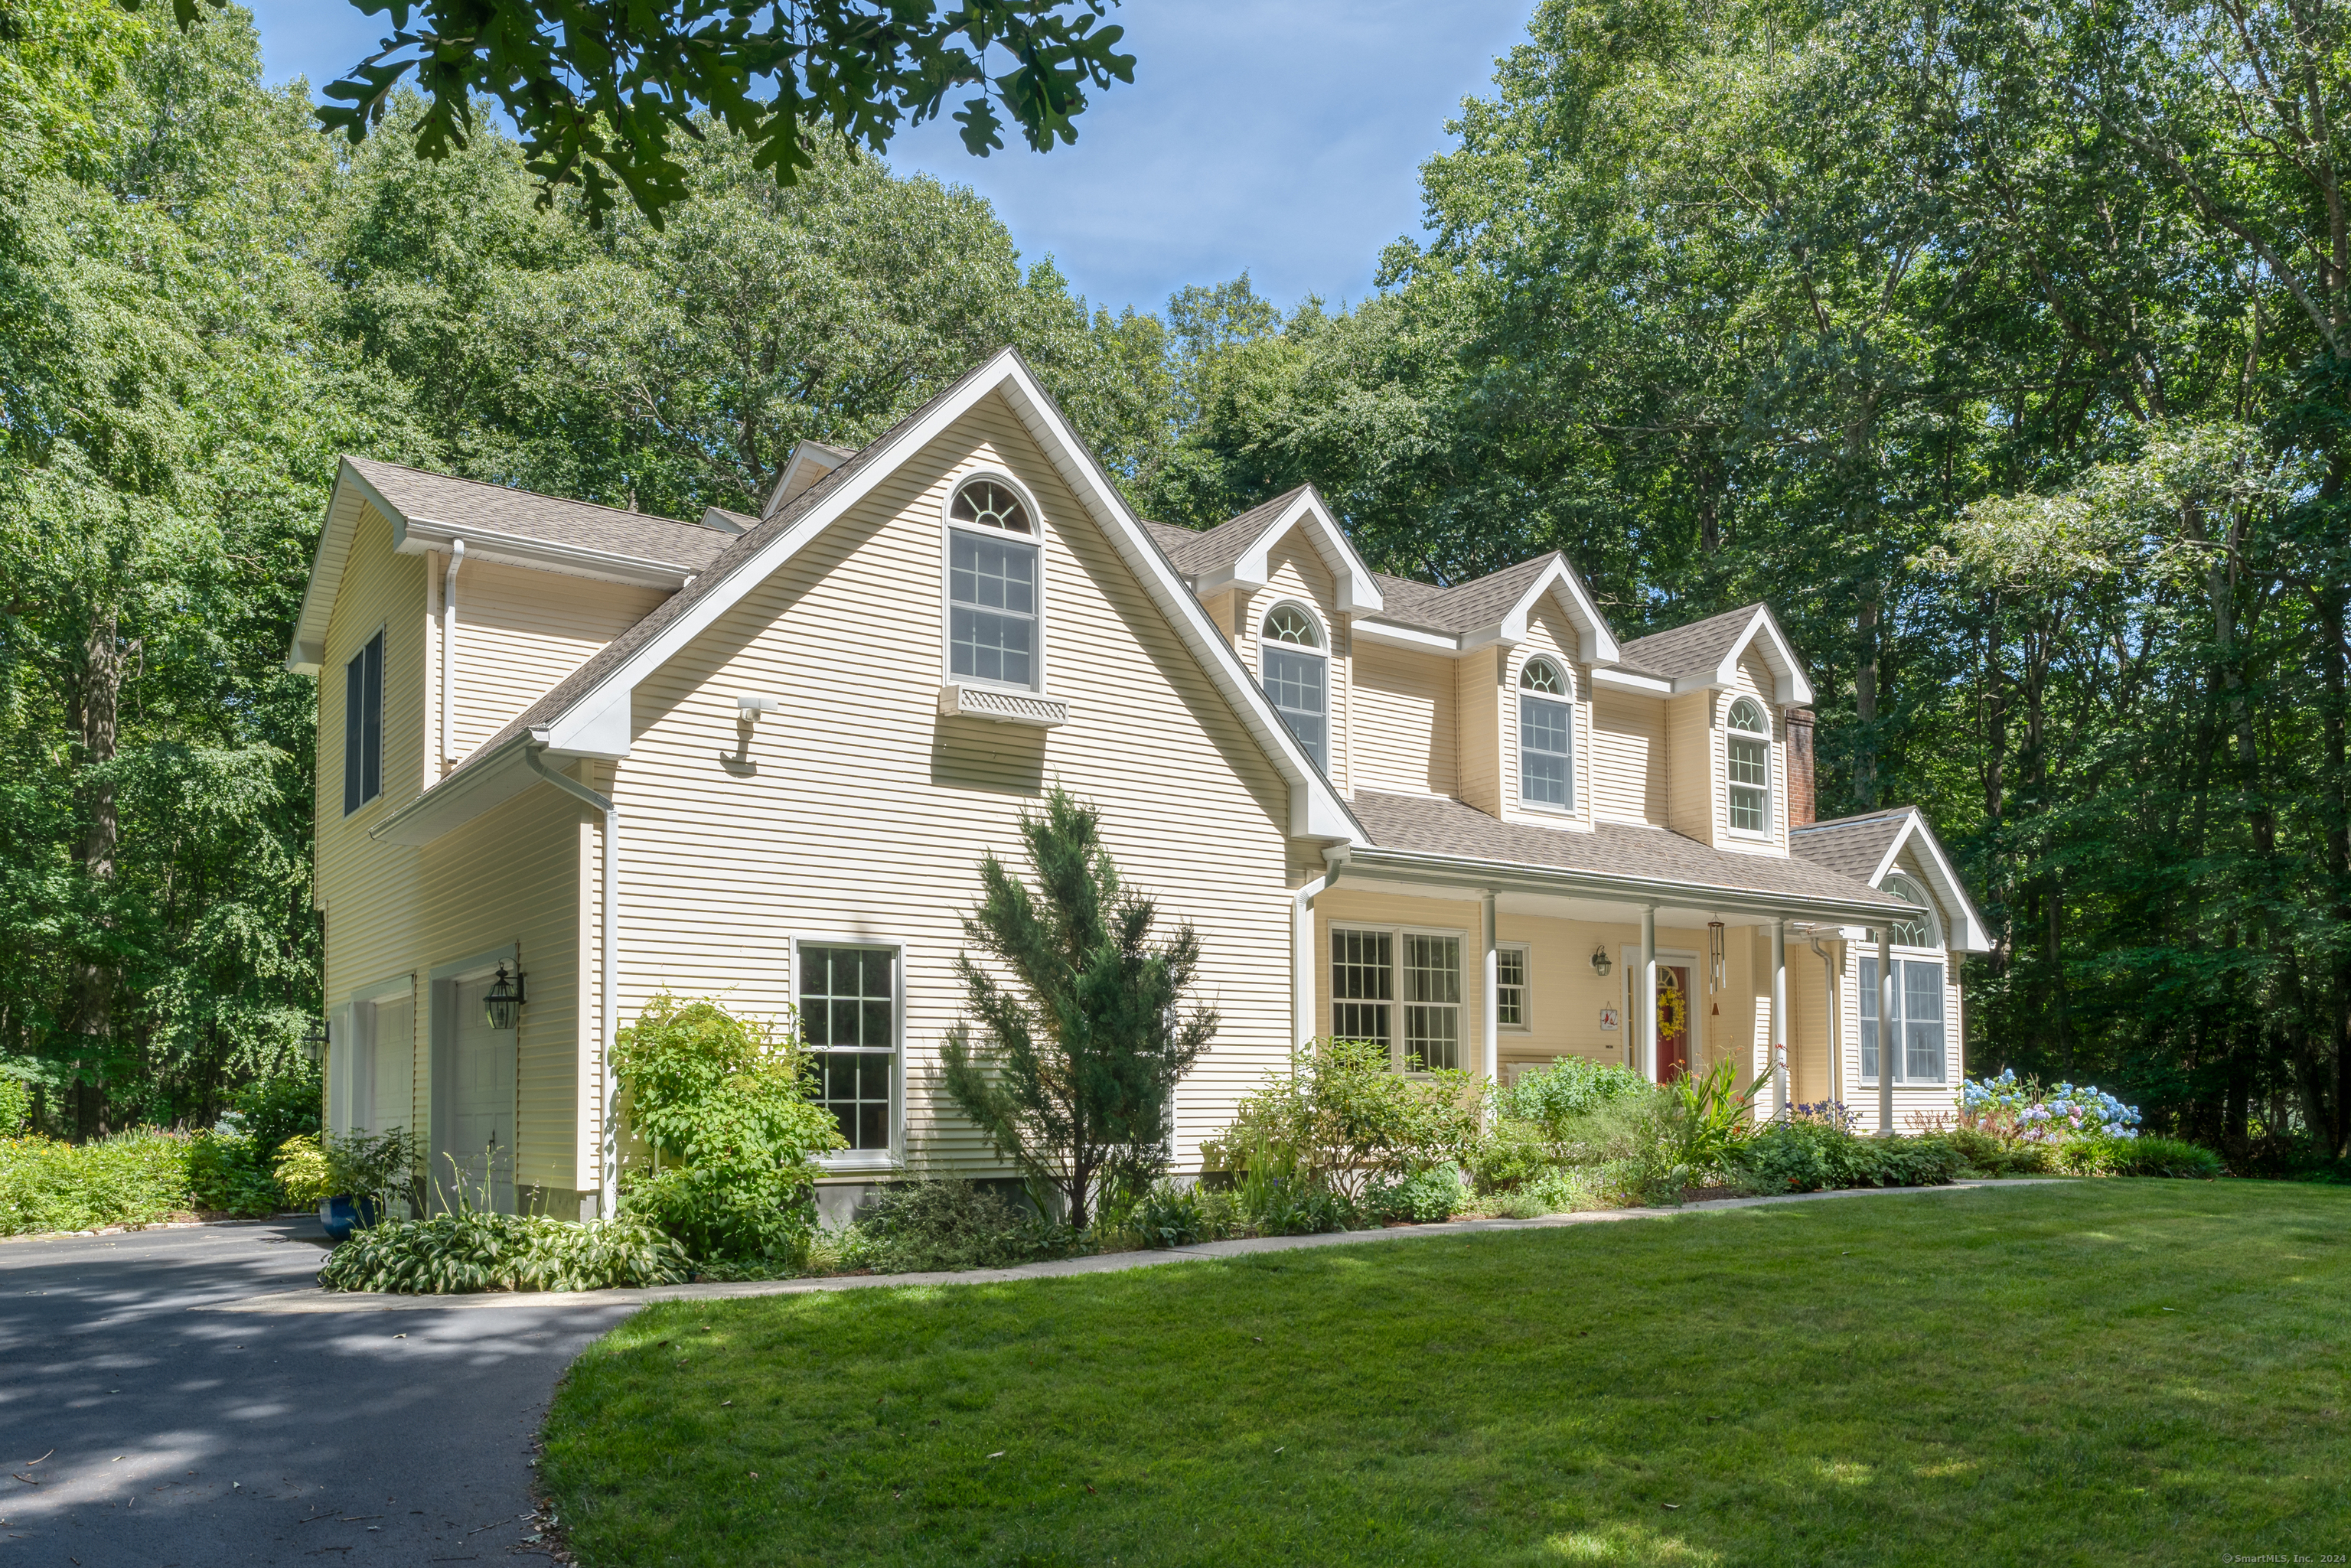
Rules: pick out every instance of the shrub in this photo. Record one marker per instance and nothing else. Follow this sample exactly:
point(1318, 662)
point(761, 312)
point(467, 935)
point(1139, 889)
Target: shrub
point(133, 1178)
point(470, 1249)
point(1304, 1208)
point(226, 1175)
point(1570, 1088)
point(1556, 1190)
point(15, 1105)
point(302, 1172)
point(725, 1103)
point(1514, 1154)
point(2014, 1111)
point(1991, 1158)
point(1170, 1216)
point(936, 1223)
point(1342, 1119)
point(1424, 1198)
point(1807, 1156)
point(283, 1106)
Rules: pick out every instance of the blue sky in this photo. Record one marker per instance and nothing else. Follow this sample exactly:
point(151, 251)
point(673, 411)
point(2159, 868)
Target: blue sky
point(1284, 140)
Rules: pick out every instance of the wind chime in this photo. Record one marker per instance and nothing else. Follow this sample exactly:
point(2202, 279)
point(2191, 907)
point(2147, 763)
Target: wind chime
point(1714, 963)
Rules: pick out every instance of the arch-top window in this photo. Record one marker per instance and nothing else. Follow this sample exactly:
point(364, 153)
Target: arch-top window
point(1297, 677)
point(1917, 933)
point(1546, 739)
point(992, 588)
point(990, 505)
point(1749, 766)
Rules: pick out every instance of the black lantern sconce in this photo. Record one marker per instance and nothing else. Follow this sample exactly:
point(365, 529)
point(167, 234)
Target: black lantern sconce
point(1601, 964)
point(314, 1044)
point(503, 1004)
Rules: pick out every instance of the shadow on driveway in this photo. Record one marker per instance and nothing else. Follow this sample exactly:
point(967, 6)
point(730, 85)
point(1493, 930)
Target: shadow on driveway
point(135, 1431)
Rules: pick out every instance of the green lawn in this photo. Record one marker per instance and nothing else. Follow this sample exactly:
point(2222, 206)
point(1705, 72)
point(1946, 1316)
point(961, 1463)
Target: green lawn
point(2092, 1372)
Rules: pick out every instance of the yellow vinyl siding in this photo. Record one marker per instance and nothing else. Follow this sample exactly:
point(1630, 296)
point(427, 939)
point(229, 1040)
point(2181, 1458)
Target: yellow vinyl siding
point(1628, 756)
point(1294, 570)
point(1694, 793)
point(1405, 732)
point(1482, 697)
point(1753, 678)
point(520, 631)
point(868, 814)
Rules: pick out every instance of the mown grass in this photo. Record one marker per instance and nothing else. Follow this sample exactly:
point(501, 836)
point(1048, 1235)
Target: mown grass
point(2085, 1373)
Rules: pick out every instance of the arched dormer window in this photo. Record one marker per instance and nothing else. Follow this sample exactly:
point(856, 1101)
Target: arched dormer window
point(1748, 765)
point(994, 608)
point(1546, 739)
point(1297, 677)
point(1923, 931)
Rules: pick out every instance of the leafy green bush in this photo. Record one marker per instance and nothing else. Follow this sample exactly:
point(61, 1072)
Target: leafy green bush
point(934, 1223)
point(283, 1106)
point(226, 1175)
point(138, 1178)
point(1304, 1208)
point(1996, 1156)
point(1807, 1156)
point(1558, 1189)
point(1552, 1098)
point(470, 1249)
point(2149, 1156)
point(1170, 1216)
point(1343, 1119)
point(725, 1104)
point(302, 1171)
point(1423, 1198)
point(15, 1105)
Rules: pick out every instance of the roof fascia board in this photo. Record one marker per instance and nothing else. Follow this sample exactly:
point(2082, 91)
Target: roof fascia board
point(1977, 936)
point(1795, 690)
point(1599, 643)
point(1508, 876)
point(414, 536)
point(308, 649)
point(1359, 590)
point(1627, 681)
point(1315, 810)
point(1388, 631)
point(493, 781)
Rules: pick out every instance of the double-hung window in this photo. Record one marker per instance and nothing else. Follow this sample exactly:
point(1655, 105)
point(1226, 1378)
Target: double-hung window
point(1297, 678)
point(849, 1020)
point(363, 725)
point(1916, 1035)
point(1401, 989)
point(1748, 763)
point(1511, 1009)
point(993, 631)
point(1546, 746)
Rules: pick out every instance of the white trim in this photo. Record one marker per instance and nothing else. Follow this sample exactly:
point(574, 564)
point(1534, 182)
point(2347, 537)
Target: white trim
point(853, 1162)
point(1792, 689)
point(1638, 1041)
point(1463, 1042)
point(383, 784)
point(1035, 539)
point(1627, 681)
point(1598, 644)
point(1372, 631)
point(1771, 772)
point(1358, 589)
point(420, 536)
point(1526, 987)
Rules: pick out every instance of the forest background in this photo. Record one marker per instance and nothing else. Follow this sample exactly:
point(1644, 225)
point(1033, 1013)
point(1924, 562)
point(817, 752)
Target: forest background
point(2003, 349)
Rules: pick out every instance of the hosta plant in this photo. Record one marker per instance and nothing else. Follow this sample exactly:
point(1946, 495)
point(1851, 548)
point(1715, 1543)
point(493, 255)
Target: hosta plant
point(468, 1250)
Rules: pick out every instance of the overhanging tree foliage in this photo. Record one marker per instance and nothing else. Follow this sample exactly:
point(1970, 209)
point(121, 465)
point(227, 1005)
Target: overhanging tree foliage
point(602, 89)
point(1070, 1070)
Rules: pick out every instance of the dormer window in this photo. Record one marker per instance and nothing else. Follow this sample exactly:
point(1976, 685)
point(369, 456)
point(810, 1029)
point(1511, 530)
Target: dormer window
point(1748, 763)
point(1297, 677)
point(1546, 739)
point(1919, 933)
point(993, 631)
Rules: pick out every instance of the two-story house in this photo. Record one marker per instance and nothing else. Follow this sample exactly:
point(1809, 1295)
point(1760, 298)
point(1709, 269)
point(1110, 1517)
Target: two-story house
point(570, 756)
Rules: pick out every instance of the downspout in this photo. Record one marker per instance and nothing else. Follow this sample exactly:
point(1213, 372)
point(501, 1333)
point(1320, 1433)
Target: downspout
point(608, 1185)
point(1303, 954)
point(1833, 1025)
point(449, 657)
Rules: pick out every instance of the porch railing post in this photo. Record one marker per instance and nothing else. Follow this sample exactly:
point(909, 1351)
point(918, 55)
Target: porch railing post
point(1648, 1032)
point(1889, 1040)
point(1490, 1008)
point(1779, 1019)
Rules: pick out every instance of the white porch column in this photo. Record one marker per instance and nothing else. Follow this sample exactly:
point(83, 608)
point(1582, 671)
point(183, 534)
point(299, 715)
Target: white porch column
point(1888, 1043)
point(1779, 1019)
point(1491, 1011)
point(1302, 964)
point(1648, 999)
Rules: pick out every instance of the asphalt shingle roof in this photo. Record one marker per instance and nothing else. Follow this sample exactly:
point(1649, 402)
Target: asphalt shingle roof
point(501, 508)
point(1433, 826)
point(1691, 649)
point(1850, 846)
point(1195, 551)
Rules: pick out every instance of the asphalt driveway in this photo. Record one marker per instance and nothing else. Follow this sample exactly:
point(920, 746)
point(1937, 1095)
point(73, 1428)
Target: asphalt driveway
point(137, 1429)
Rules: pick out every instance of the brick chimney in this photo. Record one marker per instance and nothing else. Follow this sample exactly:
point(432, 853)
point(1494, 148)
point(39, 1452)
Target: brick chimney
point(1800, 765)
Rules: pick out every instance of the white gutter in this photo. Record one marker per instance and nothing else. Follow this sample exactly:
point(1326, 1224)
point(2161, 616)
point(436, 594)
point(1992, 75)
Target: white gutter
point(1302, 956)
point(449, 658)
point(608, 1175)
point(1466, 874)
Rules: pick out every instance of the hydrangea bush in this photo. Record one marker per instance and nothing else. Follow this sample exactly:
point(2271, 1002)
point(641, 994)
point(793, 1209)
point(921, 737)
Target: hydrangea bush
point(2022, 1111)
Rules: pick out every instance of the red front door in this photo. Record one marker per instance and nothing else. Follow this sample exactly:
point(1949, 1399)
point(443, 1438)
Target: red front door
point(1673, 1022)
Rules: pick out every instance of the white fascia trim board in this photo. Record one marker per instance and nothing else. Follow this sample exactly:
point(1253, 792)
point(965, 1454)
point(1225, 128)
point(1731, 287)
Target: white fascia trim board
point(1793, 689)
point(307, 650)
point(1397, 636)
point(1627, 681)
point(1599, 643)
point(464, 795)
point(415, 536)
point(1359, 590)
point(1465, 876)
point(1316, 810)
point(1975, 936)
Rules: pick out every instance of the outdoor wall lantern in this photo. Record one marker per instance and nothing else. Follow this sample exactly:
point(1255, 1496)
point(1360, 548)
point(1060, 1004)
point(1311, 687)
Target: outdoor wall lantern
point(1600, 964)
point(503, 1004)
point(314, 1044)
